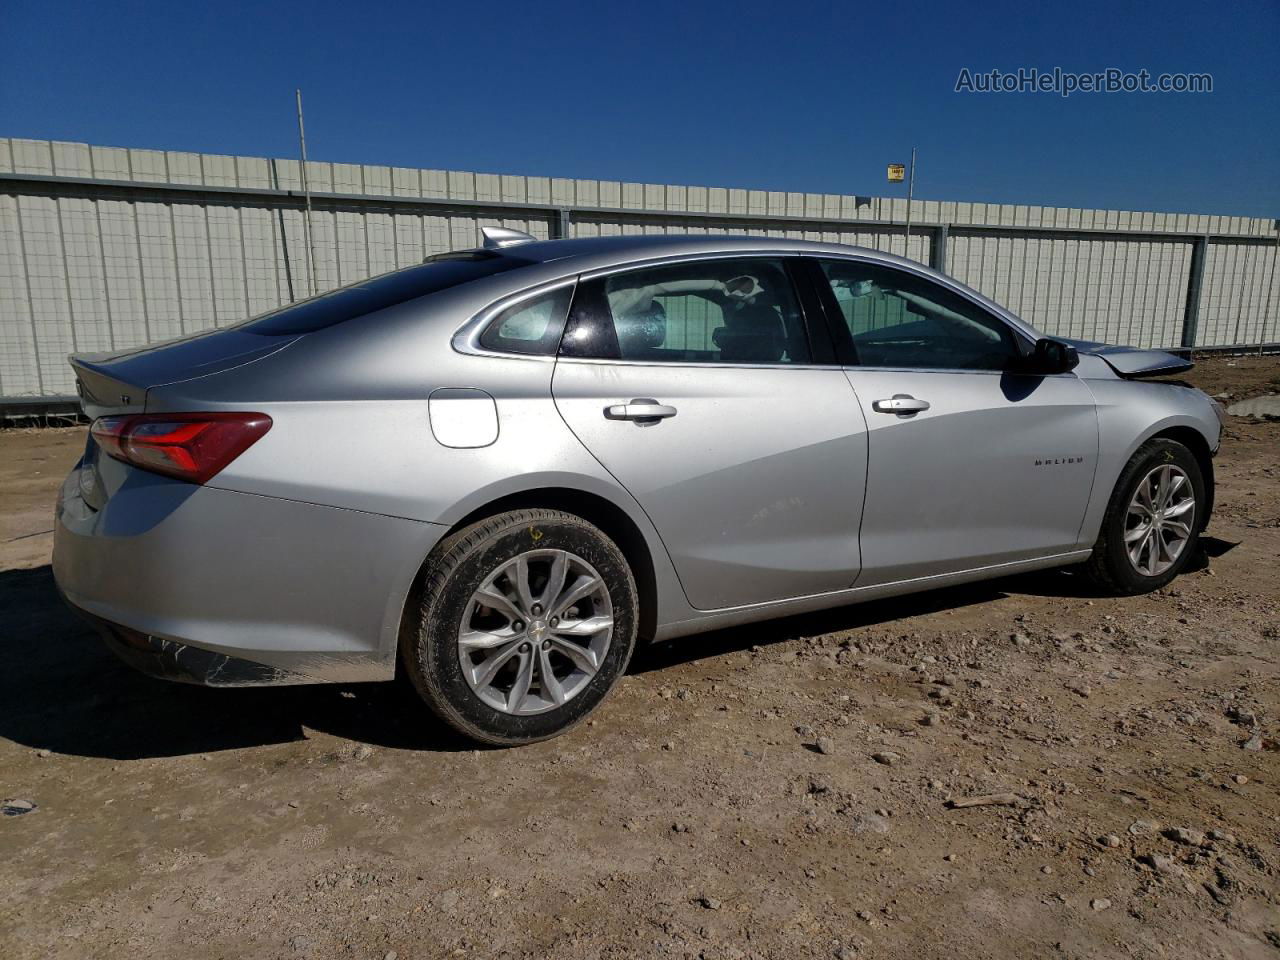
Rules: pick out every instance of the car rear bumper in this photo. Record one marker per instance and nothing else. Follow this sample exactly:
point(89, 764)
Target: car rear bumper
point(205, 585)
point(185, 663)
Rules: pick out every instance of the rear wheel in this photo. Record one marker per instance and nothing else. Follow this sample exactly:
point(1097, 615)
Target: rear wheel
point(526, 621)
point(1155, 515)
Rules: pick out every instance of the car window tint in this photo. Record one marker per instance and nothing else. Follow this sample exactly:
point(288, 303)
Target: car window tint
point(531, 326)
point(380, 292)
point(708, 311)
point(899, 319)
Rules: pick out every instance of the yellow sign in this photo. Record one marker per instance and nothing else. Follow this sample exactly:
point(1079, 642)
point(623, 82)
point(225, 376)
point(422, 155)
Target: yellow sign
point(897, 172)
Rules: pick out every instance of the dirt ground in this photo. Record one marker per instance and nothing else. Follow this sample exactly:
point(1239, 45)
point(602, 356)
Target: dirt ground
point(697, 816)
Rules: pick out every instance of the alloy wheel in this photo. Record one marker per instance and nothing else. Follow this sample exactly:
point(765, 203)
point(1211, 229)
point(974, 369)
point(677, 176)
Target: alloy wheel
point(1160, 519)
point(535, 632)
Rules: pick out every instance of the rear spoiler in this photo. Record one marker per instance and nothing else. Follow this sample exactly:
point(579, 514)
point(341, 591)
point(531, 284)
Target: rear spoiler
point(111, 383)
point(101, 393)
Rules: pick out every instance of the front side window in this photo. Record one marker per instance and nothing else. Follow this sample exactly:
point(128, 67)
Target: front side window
point(899, 319)
point(708, 311)
point(531, 326)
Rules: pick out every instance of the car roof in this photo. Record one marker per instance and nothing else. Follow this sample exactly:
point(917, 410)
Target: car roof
point(623, 249)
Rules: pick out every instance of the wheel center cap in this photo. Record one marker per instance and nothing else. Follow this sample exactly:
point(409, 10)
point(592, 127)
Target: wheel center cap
point(538, 631)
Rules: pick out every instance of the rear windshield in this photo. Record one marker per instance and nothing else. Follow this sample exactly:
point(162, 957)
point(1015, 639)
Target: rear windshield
point(399, 286)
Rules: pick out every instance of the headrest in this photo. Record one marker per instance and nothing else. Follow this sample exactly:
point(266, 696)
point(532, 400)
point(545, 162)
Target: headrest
point(642, 330)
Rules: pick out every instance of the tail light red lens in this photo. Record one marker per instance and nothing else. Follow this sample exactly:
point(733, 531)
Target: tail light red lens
point(189, 446)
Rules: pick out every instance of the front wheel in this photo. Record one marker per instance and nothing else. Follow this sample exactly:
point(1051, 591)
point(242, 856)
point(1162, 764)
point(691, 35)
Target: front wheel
point(1155, 515)
point(526, 621)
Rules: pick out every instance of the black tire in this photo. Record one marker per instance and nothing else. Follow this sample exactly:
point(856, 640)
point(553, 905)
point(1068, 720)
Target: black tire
point(457, 568)
point(1109, 566)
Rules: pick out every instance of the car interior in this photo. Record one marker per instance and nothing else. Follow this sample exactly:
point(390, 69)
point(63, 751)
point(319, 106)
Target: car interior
point(897, 320)
point(714, 311)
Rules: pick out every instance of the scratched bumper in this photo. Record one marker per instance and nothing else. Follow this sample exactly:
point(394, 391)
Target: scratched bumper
point(211, 586)
point(185, 663)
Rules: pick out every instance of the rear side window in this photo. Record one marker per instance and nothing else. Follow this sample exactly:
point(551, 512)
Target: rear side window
point(531, 326)
point(377, 293)
point(709, 311)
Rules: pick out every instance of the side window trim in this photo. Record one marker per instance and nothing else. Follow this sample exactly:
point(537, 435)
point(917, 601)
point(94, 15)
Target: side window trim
point(822, 319)
point(589, 295)
point(846, 351)
point(822, 345)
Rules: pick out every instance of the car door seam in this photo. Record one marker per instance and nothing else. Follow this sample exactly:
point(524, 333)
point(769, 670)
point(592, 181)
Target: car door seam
point(866, 470)
point(1097, 454)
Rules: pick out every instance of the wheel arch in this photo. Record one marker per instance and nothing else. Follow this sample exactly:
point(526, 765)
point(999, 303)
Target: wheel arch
point(1195, 441)
point(1124, 426)
point(609, 517)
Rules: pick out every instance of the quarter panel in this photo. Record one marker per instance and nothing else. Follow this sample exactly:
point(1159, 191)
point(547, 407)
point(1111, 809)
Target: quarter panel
point(372, 447)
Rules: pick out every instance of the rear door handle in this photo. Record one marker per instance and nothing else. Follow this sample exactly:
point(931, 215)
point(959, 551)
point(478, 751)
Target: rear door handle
point(641, 409)
point(901, 403)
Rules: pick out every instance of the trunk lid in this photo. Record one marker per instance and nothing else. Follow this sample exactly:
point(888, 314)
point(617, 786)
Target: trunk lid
point(116, 383)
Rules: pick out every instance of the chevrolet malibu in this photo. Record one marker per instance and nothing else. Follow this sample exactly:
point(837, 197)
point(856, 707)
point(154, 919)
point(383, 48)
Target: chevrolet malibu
point(500, 470)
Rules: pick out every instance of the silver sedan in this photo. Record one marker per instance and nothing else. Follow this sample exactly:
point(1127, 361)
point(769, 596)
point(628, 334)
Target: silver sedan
point(500, 470)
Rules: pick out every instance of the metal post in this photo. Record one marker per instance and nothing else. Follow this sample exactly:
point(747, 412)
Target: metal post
point(1195, 280)
point(306, 192)
point(938, 257)
point(284, 235)
point(911, 185)
point(1266, 304)
point(1244, 280)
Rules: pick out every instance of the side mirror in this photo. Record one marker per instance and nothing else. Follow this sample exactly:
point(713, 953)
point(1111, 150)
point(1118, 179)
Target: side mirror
point(1051, 356)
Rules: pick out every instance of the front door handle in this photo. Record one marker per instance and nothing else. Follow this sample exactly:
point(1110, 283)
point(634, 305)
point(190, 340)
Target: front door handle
point(900, 403)
point(641, 409)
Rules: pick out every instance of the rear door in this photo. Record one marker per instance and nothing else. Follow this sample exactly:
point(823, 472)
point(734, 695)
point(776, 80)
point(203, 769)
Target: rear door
point(970, 463)
point(694, 384)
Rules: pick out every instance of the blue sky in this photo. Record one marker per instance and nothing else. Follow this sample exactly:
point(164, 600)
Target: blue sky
point(785, 96)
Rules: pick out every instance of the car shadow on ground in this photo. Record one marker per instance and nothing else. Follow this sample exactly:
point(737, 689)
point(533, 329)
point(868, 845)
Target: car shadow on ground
point(661, 656)
point(1062, 582)
point(62, 690)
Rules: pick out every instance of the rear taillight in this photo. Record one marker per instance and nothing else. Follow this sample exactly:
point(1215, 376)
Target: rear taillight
point(189, 446)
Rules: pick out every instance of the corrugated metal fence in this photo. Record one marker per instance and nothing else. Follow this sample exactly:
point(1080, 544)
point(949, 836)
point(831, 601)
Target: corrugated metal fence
point(104, 248)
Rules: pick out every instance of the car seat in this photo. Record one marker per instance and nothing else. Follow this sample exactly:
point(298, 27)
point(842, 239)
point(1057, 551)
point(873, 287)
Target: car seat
point(752, 334)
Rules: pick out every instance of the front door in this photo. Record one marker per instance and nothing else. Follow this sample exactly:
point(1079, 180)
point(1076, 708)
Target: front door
point(692, 384)
point(969, 463)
